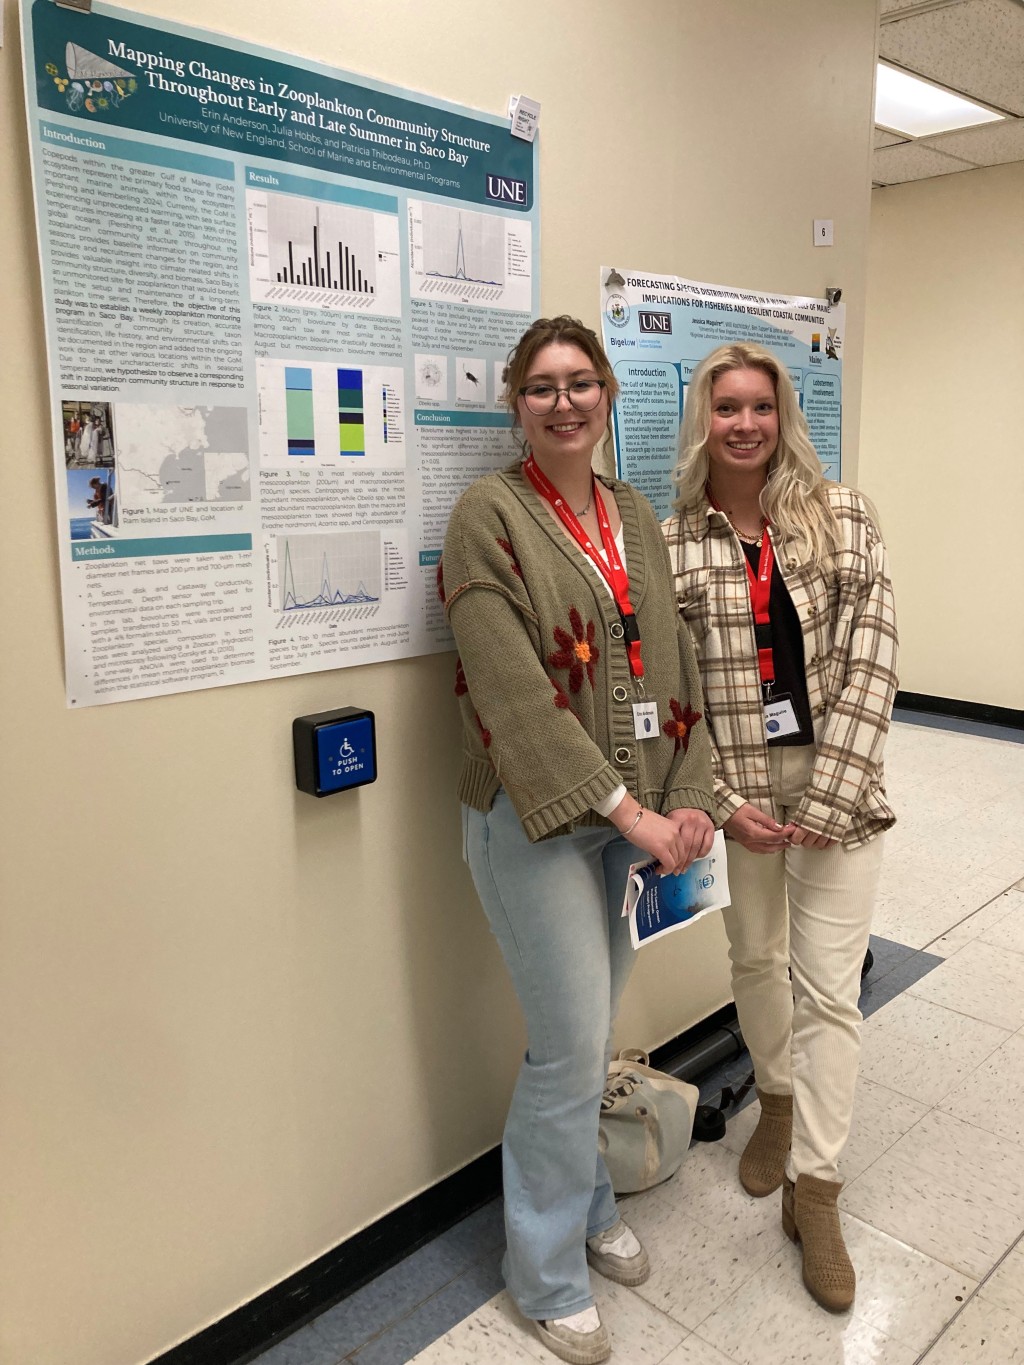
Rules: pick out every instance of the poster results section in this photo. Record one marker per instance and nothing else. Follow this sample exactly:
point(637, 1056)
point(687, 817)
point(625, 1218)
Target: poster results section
point(658, 328)
point(278, 299)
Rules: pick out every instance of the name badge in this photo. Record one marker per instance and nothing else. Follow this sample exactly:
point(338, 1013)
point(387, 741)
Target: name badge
point(645, 719)
point(780, 718)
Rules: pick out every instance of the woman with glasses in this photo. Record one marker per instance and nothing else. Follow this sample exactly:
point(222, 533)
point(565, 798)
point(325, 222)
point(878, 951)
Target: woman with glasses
point(584, 749)
point(783, 580)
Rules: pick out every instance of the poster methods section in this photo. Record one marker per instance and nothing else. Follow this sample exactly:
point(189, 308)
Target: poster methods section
point(658, 328)
point(279, 298)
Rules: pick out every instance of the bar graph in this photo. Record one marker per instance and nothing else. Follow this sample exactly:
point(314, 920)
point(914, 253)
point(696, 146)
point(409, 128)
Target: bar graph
point(319, 254)
point(298, 385)
point(323, 246)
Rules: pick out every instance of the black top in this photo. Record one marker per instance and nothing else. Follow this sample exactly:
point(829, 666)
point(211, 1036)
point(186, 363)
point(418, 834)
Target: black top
point(787, 652)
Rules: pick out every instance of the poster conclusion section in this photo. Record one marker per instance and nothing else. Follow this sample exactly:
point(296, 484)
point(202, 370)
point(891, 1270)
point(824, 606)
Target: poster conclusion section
point(658, 328)
point(278, 300)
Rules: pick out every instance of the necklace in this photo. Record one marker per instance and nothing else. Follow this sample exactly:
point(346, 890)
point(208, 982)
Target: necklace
point(757, 539)
point(747, 540)
point(583, 511)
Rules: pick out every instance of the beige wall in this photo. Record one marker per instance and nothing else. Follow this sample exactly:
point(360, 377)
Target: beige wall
point(942, 448)
point(239, 1024)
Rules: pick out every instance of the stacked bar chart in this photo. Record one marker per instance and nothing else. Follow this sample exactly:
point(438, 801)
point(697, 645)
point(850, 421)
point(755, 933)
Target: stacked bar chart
point(329, 414)
point(351, 413)
point(298, 384)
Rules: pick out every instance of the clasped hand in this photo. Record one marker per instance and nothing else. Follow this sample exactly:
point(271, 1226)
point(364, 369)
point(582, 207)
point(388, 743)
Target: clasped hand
point(759, 832)
point(674, 840)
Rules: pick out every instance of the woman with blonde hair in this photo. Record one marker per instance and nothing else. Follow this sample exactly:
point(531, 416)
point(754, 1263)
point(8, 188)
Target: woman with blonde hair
point(583, 750)
point(783, 580)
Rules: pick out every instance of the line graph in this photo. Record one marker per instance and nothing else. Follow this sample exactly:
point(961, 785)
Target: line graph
point(328, 570)
point(462, 255)
point(461, 245)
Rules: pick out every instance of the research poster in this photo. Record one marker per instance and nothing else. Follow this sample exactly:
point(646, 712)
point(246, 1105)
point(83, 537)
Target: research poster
point(278, 301)
point(658, 328)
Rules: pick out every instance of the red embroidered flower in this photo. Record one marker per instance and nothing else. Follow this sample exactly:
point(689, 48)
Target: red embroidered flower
point(683, 721)
point(485, 734)
point(506, 546)
point(440, 580)
point(577, 651)
point(561, 697)
point(461, 686)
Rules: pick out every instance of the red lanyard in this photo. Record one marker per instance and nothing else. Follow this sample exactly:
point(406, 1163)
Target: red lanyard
point(760, 592)
point(613, 573)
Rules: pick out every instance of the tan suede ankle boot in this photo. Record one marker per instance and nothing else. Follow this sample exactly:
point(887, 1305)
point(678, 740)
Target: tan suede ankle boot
point(810, 1217)
point(763, 1162)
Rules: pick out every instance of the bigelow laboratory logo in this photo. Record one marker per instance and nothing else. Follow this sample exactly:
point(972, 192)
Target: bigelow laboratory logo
point(89, 83)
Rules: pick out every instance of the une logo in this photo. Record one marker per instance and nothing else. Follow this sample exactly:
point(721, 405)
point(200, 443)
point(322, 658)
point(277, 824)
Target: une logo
point(707, 881)
point(655, 322)
point(508, 191)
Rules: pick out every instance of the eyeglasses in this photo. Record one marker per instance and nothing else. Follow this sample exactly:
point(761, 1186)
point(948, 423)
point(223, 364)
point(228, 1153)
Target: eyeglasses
point(583, 394)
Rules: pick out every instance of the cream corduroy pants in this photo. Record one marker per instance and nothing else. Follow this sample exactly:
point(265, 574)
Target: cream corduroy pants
point(808, 912)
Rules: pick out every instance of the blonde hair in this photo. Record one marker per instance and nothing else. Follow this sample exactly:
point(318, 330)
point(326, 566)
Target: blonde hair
point(795, 497)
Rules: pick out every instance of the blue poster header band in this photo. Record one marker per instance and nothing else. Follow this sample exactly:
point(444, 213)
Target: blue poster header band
point(98, 144)
point(243, 99)
point(280, 183)
point(436, 417)
point(158, 545)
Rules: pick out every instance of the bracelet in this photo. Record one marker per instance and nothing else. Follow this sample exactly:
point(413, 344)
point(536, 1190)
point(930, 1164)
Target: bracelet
point(639, 816)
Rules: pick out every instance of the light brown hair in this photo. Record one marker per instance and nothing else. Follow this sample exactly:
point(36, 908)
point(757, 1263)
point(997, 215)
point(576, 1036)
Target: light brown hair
point(569, 331)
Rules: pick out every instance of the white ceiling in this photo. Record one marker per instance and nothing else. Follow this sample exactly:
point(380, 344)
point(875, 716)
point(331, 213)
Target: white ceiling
point(975, 47)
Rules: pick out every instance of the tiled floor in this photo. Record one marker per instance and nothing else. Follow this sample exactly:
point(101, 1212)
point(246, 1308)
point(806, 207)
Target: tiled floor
point(933, 1206)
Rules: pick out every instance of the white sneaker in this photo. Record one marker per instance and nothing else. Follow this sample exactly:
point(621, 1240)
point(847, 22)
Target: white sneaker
point(581, 1338)
point(617, 1255)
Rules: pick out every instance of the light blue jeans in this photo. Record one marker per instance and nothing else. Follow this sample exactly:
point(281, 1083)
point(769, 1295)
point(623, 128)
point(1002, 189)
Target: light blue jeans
point(555, 909)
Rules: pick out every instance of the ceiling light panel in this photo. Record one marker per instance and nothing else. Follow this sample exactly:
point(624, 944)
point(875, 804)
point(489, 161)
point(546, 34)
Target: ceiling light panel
point(909, 105)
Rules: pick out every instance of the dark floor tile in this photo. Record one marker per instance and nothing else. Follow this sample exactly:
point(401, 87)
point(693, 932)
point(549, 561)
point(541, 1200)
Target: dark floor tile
point(390, 1296)
point(875, 994)
point(960, 727)
point(879, 992)
point(439, 1314)
point(303, 1347)
point(478, 1233)
point(912, 969)
point(887, 955)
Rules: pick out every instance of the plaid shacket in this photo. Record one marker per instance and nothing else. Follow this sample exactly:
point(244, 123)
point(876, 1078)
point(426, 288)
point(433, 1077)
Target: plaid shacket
point(850, 649)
